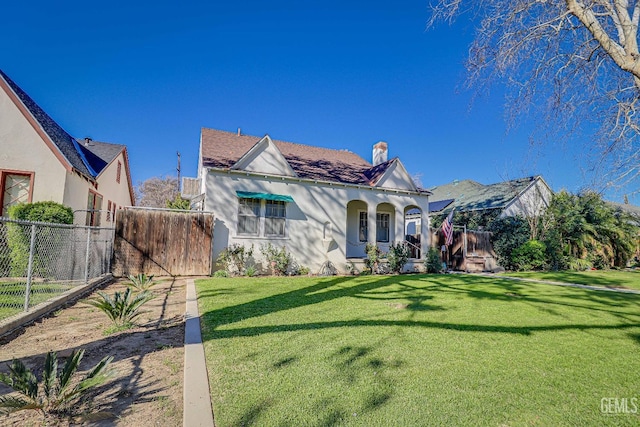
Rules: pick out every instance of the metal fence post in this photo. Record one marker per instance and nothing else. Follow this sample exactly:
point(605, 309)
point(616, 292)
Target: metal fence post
point(86, 260)
point(32, 249)
point(111, 237)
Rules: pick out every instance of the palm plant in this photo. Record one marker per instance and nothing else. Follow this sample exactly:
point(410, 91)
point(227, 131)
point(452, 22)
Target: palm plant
point(123, 307)
point(590, 231)
point(55, 392)
point(141, 282)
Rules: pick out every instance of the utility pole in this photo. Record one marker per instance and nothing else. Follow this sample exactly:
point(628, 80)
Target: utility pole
point(178, 169)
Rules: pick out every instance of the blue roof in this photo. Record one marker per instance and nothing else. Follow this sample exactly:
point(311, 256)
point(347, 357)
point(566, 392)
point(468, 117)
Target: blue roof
point(439, 205)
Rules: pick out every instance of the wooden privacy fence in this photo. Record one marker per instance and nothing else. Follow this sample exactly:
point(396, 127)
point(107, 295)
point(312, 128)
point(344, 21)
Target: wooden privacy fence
point(162, 242)
point(476, 255)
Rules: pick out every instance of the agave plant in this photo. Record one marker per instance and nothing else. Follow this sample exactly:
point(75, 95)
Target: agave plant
point(123, 307)
point(55, 392)
point(141, 282)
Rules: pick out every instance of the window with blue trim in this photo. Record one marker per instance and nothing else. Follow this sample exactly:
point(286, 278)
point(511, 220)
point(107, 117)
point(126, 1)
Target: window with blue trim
point(262, 217)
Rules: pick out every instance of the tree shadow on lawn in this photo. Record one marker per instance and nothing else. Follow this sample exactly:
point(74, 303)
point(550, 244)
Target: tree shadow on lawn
point(543, 295)
point(324, 290)
point(472, 286)
point(352, 365)
point(584, 278)
point(352, 361)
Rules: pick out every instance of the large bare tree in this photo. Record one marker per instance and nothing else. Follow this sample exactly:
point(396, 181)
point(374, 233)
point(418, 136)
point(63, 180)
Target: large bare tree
point(573, 64)
point(155, 192)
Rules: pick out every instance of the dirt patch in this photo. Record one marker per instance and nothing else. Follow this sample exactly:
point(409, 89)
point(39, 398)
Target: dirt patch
point(148, 359)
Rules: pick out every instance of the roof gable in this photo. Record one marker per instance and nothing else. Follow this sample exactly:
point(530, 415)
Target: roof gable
point(394, 175)
point(99, 154)
point(264, 157)
point(471, 195)
point(63, 143)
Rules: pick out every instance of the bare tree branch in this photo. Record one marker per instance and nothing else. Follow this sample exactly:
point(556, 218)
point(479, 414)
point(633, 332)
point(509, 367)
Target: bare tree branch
point(572, 64)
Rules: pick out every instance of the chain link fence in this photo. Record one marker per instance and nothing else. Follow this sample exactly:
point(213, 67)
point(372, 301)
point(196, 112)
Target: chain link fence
point(39, 261)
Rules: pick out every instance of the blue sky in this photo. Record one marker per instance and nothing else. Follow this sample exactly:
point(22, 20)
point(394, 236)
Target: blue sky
point(336, 74)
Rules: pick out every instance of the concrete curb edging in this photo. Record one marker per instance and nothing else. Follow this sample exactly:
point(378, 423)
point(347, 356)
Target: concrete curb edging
point(197, 397)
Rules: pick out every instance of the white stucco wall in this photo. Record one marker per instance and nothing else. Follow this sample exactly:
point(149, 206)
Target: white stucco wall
point(108, 186)
point(396, 177)
point(21, 148)
point(76, 192)
point(314, 205)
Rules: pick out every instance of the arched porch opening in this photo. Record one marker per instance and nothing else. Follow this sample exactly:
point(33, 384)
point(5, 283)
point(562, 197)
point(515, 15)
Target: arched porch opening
point(412, 230)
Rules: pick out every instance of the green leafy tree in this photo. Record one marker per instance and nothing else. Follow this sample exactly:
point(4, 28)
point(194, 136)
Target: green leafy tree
point(474, 220)
point(179, 203)
point(509, 233)
point(586, 231)
point(529, 256)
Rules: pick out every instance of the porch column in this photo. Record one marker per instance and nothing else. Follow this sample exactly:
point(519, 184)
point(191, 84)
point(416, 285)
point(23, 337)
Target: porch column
point(399, 235)
point(425, 235)
point(372, 208)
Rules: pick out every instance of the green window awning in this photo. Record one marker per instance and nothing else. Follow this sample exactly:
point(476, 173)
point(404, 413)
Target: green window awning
point(264, 196)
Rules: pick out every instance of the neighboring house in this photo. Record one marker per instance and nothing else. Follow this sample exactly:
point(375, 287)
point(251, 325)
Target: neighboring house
point(40, 161)
point(323, 205)
point(632, 210)
point(527, 197)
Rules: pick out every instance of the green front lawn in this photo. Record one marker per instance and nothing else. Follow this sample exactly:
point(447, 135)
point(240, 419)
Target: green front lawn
point(629, 279)
point(12, 295)
point(417, 350)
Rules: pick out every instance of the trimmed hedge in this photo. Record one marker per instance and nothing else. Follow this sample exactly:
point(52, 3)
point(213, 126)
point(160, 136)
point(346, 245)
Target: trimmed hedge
point(42, 212)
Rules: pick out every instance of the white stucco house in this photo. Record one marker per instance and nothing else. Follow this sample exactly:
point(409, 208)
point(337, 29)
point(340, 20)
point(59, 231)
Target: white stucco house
point(322, 204)
point(40, 161)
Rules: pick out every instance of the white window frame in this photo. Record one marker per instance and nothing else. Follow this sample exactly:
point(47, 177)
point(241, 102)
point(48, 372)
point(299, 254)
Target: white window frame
point(365, 237)
point(257, 216)
point(279, 208)
point(262, 220)
point(381, 218)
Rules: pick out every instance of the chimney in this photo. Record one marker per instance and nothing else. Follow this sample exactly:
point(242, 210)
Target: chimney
point(379, 153)
point(239, 131)
point(87, 141)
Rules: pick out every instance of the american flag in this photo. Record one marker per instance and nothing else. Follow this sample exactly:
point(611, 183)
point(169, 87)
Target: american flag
point(447, 229)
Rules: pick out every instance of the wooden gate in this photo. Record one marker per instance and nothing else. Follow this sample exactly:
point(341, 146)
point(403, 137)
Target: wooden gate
point(162, 243)
point(478, 254)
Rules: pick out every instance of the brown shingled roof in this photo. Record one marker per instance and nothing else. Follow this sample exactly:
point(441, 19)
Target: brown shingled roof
point(222, 150)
